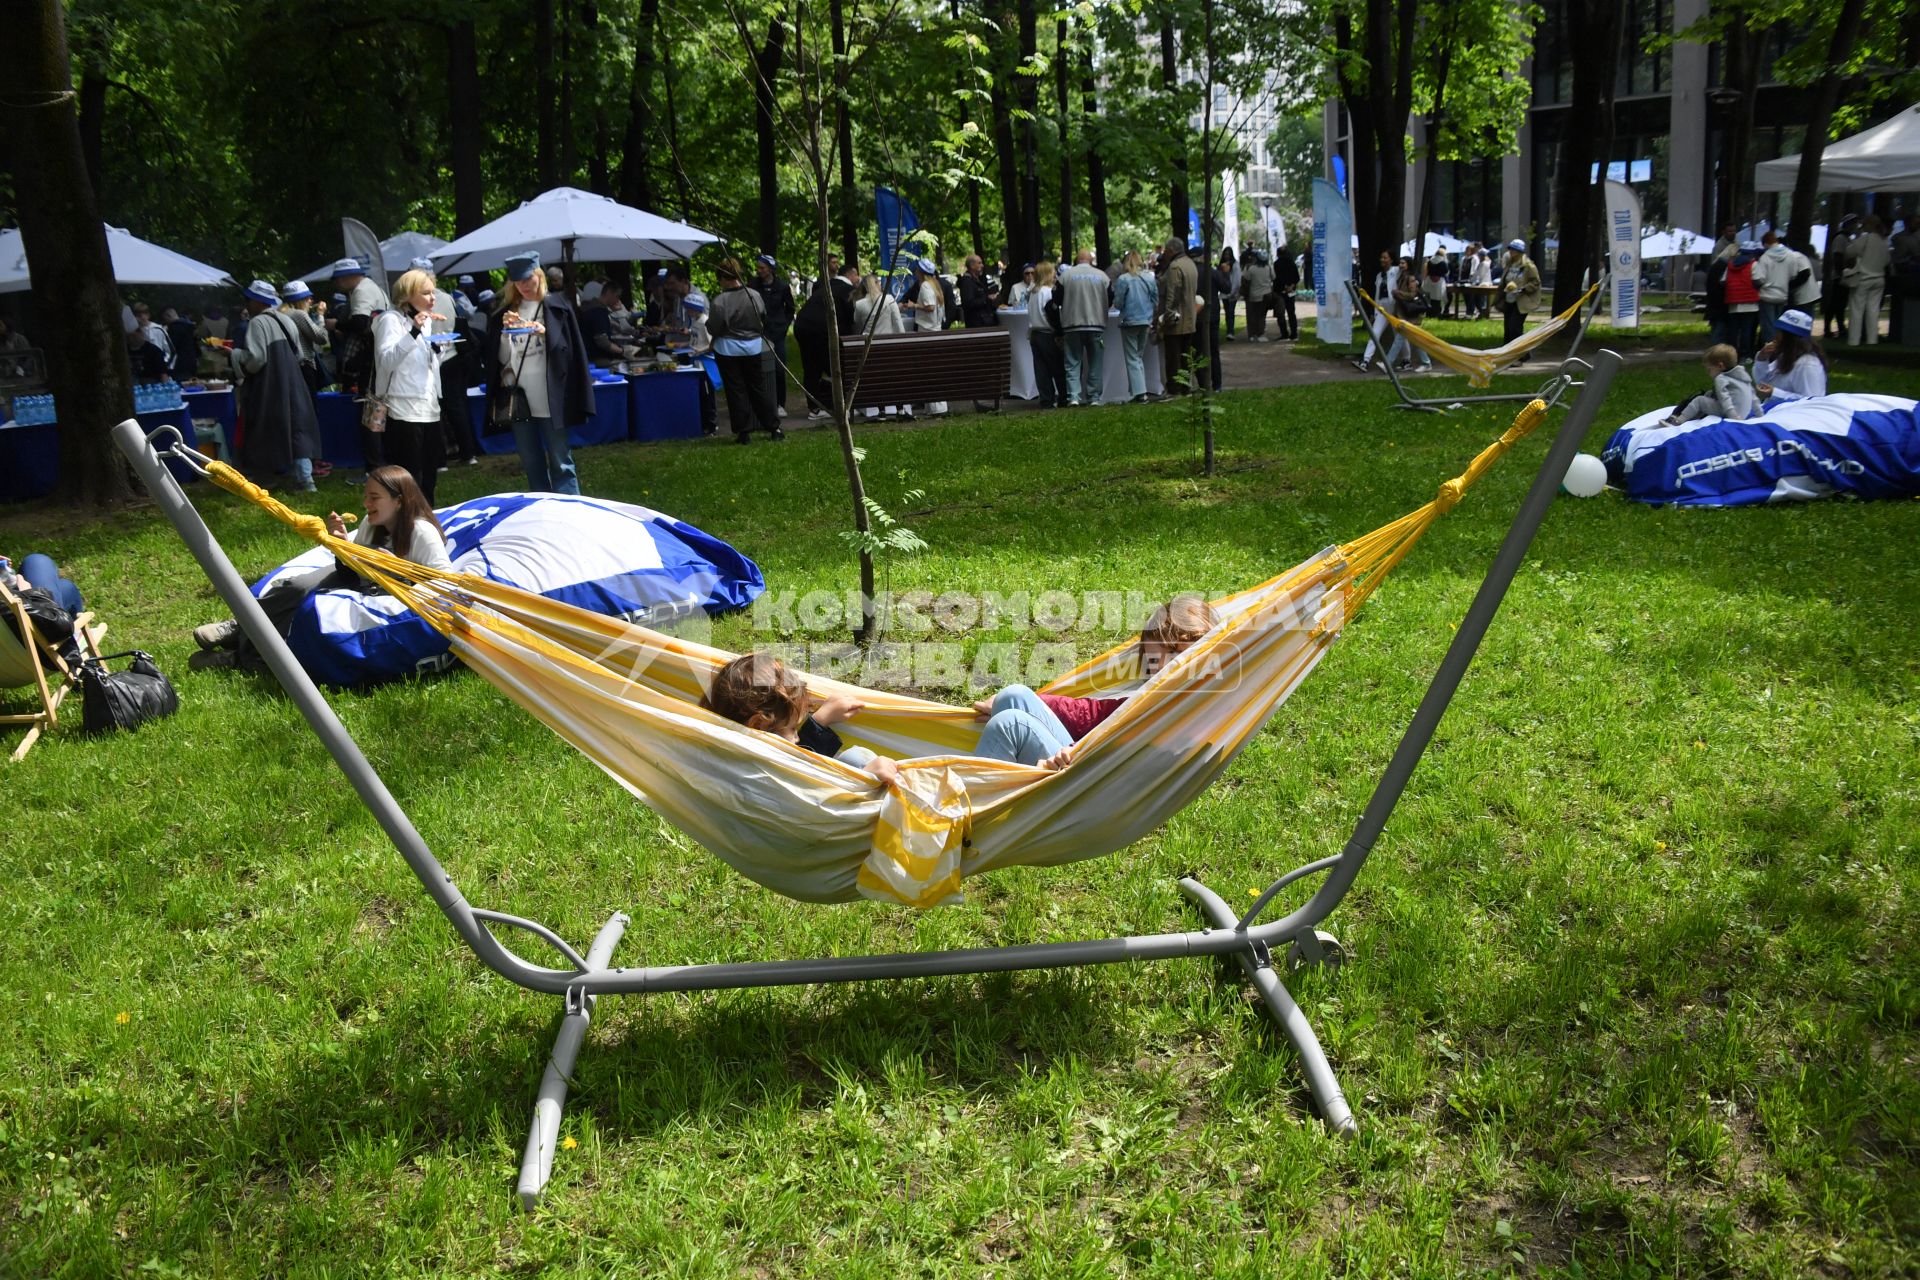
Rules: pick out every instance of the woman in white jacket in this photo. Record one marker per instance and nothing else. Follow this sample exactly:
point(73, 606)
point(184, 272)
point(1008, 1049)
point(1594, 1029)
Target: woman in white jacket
point(406, 379)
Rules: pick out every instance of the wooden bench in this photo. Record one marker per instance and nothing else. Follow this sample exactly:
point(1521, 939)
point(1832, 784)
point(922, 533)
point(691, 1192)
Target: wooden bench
point(913, 368)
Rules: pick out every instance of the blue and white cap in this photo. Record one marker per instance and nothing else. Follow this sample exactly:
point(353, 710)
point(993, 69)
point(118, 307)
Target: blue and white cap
point(294, 290)
point(348, 267)
point(420, 264)
point(466, 280)
point(339, 299)
point(262, 292)
point(767, 259)
point(925, 266)
point(1795, 322)
point(522, 265)
point(1751, 246)
point(1517, 245)
point(486, 296)
point(695, 301)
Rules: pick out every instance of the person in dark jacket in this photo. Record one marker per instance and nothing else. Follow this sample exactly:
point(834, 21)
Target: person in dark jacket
point(812, 330)
point(186, 350)
point(1286, 281)
point(776, 296)
point(544, 355)
point(979, 296)
point(278, 430)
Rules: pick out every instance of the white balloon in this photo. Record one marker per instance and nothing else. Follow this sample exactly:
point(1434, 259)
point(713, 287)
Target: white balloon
point(1585, 477)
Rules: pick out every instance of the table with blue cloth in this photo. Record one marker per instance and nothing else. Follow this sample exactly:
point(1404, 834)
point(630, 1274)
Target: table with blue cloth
point(667, 406)
point(30, 456)
point(338, 414)
point(608, 425)
point(220, 406)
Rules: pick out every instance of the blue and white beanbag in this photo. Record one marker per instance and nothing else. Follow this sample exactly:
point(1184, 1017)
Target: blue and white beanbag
point(1797, 450)
point(613, 558)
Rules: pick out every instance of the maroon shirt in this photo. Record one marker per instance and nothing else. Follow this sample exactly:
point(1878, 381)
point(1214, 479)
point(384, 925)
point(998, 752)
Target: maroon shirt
point(1080, 715)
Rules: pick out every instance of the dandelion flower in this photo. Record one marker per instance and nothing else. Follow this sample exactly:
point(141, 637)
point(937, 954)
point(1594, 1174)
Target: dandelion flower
point(123, 1017)
point(569, 1143)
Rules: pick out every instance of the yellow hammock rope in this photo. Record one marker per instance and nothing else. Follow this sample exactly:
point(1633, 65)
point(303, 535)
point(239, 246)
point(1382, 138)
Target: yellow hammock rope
point(816, 829)
point(1479, 365)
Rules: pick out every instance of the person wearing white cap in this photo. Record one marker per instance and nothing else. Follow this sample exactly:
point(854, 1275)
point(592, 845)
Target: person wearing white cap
point(296, 303)
point(926, 309)
point(700, 342)
point(777, 296)
point(1519, 290)
point(1793, 366)
point(542, 383)
point(279, 433)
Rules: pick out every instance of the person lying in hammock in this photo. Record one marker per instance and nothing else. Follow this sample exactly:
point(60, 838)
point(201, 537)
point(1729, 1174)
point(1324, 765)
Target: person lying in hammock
point(1170, 629)
point(399, 519)
point(762, 692)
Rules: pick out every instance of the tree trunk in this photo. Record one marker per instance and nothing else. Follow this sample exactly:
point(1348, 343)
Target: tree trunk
point(75, 301)
point(544, 89)
point(680, 179)
point(843, 144)
point(464, 126)
point(1096, 169)
point(1177, 203)
point(636, 173)
point(1209, 309)
point(1435, 124)
point(1029, 99)
point(1013, 215)
point(1826, 94)
point(766, 68)
point(1362, 183)
point(1066, 149)
point(93, 102)
point(569, 158)
point(1742, 47)
point(1595, 36)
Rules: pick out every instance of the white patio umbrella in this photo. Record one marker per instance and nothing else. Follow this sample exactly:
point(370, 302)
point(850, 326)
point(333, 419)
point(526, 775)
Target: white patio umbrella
point(135, 261)
point(567, 224)
point(1442, 243)
point(395, 253)
point(1673, 243)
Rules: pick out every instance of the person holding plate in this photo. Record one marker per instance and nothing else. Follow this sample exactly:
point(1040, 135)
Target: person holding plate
point(542, 385)
point(406, 379)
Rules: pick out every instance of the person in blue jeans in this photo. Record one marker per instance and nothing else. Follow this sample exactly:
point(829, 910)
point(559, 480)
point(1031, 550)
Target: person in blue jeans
point(762, 692)
point(40, 571)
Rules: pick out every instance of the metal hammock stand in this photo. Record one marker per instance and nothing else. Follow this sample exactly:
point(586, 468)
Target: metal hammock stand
point(584, 977)
point(1443, 403)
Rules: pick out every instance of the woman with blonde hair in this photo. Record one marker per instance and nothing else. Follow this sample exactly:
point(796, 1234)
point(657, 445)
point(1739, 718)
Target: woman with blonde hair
point(406, 380)
point(541, 385)
point(875, 311)
point(1049, 360)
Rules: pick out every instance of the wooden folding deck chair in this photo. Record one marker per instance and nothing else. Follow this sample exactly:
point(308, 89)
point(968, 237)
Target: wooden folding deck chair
point(29, 662)
point(583, 975)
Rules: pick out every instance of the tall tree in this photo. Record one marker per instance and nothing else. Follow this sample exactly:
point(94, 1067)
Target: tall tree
point(1096, 168)
point(1826, 95)
point(1593, 34)
point(76, 304)
point(766, 70)
point(849, 199)
point(547, 162)
point(636, 172)
point(1468, 87)
point(1027, 76)
point(1177, 202)
point(464, 125)
point(1061, 57)
point(1373, 69)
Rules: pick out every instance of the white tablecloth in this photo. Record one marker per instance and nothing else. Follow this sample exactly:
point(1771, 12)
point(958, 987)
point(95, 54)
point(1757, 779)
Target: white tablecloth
point(1113, 386)
point(1020, 384)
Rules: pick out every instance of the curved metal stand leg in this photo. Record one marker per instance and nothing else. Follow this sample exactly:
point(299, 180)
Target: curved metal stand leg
point(1259, 966)
point(536, 1166)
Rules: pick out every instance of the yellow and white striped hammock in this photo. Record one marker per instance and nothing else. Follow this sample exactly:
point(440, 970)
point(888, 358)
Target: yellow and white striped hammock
point(818, 830)
point(1478, 365)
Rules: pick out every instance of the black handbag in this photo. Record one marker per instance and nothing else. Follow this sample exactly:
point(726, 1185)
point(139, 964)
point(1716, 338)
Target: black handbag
point(508, 406)
point(124, 699)
point(53, 622)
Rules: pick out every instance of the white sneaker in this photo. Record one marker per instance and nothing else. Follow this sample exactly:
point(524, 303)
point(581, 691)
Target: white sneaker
point(779, 411)
point(817, 415)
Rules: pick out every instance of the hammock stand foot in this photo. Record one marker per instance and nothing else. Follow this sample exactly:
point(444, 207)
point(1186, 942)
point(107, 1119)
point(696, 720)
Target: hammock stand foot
point(536, 1166)
point(1257, 960)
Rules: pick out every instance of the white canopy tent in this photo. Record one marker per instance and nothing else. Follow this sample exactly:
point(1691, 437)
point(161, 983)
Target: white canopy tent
point(395, 253)
point(1883, 158)
point(567, 224)
point(1673, 243)
point(135, 261)
point(1432, 242)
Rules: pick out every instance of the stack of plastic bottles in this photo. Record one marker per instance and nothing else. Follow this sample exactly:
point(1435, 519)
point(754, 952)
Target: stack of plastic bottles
point(33, 411)
point(156, 397)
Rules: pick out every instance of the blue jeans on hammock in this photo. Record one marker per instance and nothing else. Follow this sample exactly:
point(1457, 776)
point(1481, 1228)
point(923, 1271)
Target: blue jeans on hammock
point(1023, 729)
point(41, 571)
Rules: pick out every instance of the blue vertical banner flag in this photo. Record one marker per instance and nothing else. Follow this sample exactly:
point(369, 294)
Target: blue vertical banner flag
point(1623, 254)
point(1332, 264)
point(897, 221)
point(1193, 228)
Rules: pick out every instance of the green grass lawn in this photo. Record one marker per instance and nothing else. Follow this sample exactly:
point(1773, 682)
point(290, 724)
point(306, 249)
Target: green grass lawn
point(1631, 988)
